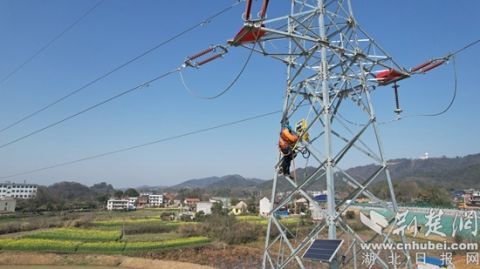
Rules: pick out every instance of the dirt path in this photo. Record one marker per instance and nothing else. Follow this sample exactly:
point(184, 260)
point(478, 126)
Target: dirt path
point(22, 258)
point(54, 267)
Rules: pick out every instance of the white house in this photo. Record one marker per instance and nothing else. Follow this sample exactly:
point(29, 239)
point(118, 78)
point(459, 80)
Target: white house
point(132, 200)
point(7, 205)
point(155, 199)
point(18, 190)
point(265, 207)
point(114, 204)
point(206, 207)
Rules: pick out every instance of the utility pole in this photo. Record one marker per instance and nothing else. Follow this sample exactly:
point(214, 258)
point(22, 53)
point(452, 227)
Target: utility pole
point(333, 67)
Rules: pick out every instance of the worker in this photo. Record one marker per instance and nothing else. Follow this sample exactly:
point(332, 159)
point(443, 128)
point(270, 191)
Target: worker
point(286, 143)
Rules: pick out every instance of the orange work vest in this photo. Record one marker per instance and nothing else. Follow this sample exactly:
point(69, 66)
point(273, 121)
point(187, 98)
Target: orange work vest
point(287, 139)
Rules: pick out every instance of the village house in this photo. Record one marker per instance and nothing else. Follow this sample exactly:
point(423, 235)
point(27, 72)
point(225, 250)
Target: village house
point(142, 201)
point(265, 207)
point(240, 208)
point(191, 202)
point(132, 200)
point(18, 190)
point(206, 207)
point(155, 200)
point(168, 198)
point(118, 204)
point(7, 205)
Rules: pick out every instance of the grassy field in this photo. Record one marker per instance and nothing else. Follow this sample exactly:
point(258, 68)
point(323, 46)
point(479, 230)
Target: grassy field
point(146, 237)
point(172, 243)
point(31, 244)
point(107, 247)
point(77, 234)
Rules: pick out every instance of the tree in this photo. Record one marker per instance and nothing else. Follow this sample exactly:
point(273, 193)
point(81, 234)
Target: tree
point(200, 216)
point(102, 198)
point(68, 196)
point(435, 196)
point(131, 193)
point(118, 193)
point(217, 208)
point(408, 191)
point(234, 201)
point(189, 193)
point(103, 188)
point(252, 205)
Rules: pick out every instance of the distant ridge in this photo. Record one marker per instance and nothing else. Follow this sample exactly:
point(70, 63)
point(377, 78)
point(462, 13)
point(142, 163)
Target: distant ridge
point(448, 172)
point(228, 181)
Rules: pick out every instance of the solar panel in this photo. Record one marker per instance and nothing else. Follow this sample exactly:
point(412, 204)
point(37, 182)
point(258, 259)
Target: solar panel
point(320, 198)
point(323, 250)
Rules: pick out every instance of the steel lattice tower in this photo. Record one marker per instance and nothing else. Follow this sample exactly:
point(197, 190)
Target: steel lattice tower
point(332, 69)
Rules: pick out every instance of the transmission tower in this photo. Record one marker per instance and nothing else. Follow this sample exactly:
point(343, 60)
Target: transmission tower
point(333, 67)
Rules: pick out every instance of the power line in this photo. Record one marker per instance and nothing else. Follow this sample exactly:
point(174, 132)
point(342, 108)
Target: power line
point(161, 140)
point(466, 47)
point(147, 83)
point(143, 54)
point(225, 90)
point(49, 43)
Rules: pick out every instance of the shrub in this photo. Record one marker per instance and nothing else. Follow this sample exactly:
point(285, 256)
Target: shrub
point(218, 226)
point(227, 229)
point(83, 221)
point(458, 238)
point(200, 216)
point(242, 232)
point(167, 216)
point(149, 228)
point(350, 214)
point(189, 230)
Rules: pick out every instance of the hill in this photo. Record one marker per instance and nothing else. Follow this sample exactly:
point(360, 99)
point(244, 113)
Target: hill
point(67, 196)
point(449, 173)
point(229, 182)
point(412, 178)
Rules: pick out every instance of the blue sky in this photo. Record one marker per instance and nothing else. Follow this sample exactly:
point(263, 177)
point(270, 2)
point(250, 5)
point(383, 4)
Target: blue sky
point(411, 31)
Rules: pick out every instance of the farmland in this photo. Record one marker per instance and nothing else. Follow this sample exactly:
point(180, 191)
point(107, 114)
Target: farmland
point(90, 241)
point(141, 233)
point(77, 234)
